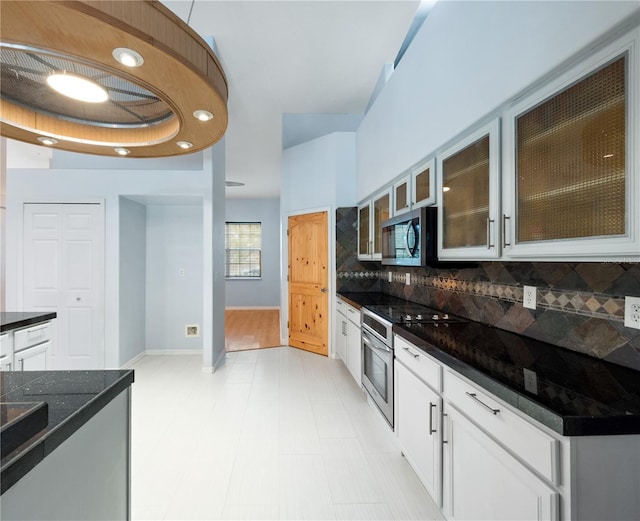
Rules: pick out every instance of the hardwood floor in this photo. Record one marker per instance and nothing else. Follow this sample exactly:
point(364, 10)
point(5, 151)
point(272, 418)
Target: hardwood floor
point(246, 329)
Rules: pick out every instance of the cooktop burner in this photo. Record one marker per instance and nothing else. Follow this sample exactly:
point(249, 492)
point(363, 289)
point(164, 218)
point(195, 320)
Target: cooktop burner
point(413, 313)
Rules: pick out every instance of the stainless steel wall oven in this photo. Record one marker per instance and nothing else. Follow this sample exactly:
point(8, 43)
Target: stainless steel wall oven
point(377, 361)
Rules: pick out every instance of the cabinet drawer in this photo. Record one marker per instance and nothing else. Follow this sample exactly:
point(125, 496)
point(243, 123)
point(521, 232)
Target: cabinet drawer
point(32, 336)
point(5, 344)
point(423, 366)
point(352, 314)
point(341, 307)
point(536, 448)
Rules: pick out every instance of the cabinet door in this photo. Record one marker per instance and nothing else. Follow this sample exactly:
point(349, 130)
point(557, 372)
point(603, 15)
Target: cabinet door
point(340, 337)
point(569, 155)
point(5, 364)
point(354, 352)
point(381, 212)
point(483, 481)
point(469, 174)
point(423, 184)
point(401, 196)
point(33, 359)
point(418, 428)
point(365, 246)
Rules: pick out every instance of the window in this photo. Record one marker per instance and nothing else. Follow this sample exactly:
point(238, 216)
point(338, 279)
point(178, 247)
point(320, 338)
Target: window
point(243, 249)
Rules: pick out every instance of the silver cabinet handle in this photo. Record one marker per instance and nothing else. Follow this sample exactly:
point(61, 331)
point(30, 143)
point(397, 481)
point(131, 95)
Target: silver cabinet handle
point(344, 328)
point(444, 414)
point(9, 366)
point(412, 354)
point(22, 364)
point(489, 221)
point(431, 429)
point(473, 395)
point(505, 218)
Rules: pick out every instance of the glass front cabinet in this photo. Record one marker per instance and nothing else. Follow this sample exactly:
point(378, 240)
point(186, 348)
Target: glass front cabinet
point(469, 181)
point(371, 215)
point(569, 152)
point(423, 184)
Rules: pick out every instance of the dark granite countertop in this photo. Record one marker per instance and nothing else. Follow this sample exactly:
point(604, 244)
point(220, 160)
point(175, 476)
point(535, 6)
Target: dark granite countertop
point(573, 394)
point(10, 320)
point(363, 299)
point(72, 397)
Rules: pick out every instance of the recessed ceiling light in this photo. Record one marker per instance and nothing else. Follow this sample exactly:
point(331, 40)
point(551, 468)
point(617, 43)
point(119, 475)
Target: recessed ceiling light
point(203, 115)
point(77, 87)
point(47, 140)
point(184, 144)
point(127, 57)
point(122, 151)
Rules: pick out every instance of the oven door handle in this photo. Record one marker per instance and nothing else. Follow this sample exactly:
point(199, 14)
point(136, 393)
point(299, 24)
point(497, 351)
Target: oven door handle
point(376, 345)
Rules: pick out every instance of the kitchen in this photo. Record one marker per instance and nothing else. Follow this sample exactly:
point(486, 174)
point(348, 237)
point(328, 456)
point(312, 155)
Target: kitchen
point(396, 123)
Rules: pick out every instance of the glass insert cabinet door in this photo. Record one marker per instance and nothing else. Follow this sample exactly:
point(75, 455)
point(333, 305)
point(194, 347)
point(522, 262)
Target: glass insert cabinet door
point(572, 163)
point(469, 180)
point(364, 231)
point(381, 212)
point(423, 184)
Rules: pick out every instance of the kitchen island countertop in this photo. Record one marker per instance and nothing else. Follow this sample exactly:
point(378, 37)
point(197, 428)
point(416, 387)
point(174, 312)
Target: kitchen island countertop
point(72, 397)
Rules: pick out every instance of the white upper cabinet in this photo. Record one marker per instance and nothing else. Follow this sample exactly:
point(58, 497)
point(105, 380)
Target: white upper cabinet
point(570, 168)
point(423, 184)
point(371, 215)
point(468, 176)
point(401, 194)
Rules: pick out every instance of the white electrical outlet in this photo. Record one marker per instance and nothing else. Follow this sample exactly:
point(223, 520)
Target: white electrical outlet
point(530, 380)
point(529, 297)
point(390, 276)
point(407, 278)
point(632, 312)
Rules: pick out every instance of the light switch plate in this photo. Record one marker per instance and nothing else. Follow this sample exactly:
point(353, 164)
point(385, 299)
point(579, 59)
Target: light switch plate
point(529, 297)
point(407, 278)
point(530, 381)
point(632, 312)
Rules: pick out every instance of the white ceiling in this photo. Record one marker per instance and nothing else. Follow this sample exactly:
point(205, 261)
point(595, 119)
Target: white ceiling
point(299, 57)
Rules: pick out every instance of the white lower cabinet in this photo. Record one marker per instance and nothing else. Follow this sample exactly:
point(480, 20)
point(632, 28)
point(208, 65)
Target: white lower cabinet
point(340, 337)
point(418, 416)
point(354, 345)
point(33, 358)
point(347, 338)
point(483, 481)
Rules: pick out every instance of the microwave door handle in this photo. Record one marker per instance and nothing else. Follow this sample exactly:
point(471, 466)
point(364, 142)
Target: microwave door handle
point(411, 251)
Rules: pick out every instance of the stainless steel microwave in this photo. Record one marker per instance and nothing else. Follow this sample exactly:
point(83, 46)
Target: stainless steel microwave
point(410, 239)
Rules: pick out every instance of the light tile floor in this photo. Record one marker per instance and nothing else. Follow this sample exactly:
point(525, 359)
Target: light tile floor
point(273, 434)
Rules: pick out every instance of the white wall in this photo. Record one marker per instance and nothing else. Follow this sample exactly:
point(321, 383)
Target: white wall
point(264, 292)
point(133, 266)
point(174, 297)
point(316, 176)
point(76, 185)
point(468, 59)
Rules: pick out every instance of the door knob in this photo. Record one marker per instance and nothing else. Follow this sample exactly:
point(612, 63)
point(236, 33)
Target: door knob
point(323, 290)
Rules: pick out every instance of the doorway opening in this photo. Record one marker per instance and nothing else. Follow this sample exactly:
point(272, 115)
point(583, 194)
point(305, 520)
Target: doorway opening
point(246, 329)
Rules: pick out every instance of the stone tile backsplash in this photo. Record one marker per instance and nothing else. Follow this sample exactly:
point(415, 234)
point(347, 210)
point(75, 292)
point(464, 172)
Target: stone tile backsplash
point(580, 306)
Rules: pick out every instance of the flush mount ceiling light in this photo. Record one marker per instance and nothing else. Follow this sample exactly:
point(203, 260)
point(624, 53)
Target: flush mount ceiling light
point(203, 115)
point(146, 110)
point(77, 87)
point(47, 140)
point(127, 57)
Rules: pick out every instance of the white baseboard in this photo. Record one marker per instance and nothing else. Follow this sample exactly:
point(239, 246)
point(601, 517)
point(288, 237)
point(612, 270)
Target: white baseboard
point(154, 352)
point(248, 308)
point(134, 360)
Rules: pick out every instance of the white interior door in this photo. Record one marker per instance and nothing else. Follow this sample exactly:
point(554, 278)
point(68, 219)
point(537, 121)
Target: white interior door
point(64, 272)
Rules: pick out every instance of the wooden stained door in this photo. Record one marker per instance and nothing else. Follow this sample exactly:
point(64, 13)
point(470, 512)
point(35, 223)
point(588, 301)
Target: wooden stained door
point(308, 282)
